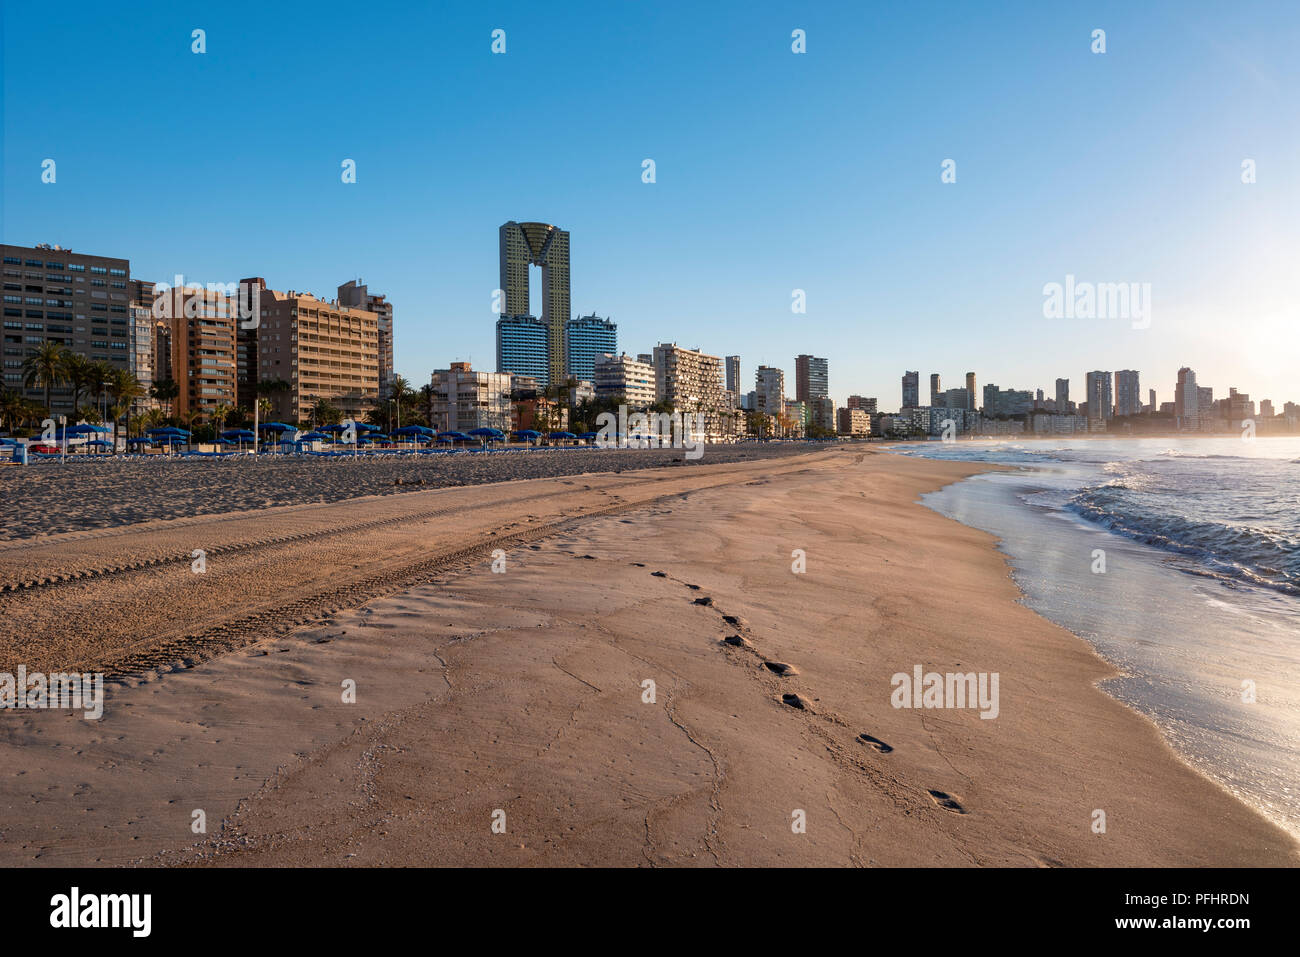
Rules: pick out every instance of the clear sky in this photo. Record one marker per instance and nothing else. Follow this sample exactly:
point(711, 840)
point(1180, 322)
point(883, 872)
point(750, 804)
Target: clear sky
point(775, 171)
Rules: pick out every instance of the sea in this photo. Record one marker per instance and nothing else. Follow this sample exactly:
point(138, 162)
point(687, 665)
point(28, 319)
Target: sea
point(1179, 561)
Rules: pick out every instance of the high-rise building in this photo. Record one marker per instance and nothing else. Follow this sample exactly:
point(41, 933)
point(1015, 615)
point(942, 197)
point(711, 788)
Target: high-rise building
point(970, 391)
point(951, 399)
point(77, 300)
point(1062, 394)
point(936, 390)
point(201, 326)
point(585, 338)
point(865, 403)
point(143, 326)
point(911, 390)
point(769, 390)
point(622, 375)
point(462, 400)
point(733, 373)
point(1128, 394)
point(522, 347)
point(1006, 402)
point(1151, 407)
point(1100, 402)
point(246, 366)
point(357, 296)
point(538, 244)
point(322, 350)
point(692, 381)
point(811, 380)
point(1185, 400)
point(1266, 409)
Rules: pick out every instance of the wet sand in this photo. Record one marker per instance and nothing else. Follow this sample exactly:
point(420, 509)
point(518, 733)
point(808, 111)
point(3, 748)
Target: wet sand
point(524, 692)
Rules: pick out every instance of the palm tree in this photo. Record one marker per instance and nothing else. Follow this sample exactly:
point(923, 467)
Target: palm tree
point(45, 368)
point(125, 389)
point(220, 412)
point(78, 373)
point(165, 390)
point(12, 408)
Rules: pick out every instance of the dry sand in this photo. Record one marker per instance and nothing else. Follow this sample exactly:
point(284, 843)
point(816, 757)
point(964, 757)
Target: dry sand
point(523, 691)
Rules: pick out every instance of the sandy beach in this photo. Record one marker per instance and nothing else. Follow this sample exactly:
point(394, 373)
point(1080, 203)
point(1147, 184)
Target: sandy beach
point(519, 697)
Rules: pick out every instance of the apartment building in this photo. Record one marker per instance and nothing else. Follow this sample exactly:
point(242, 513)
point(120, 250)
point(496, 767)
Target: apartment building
point(322, 349)
point(200, 326)
point(769, 390)
point(356, 295)
point(464, 400)
point(692, 381)
point(622, 375)
point(586, 338)
point(77, 300)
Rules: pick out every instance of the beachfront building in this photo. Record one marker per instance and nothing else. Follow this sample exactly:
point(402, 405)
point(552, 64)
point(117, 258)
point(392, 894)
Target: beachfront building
point(1128, 393)
point(76, 300)
point(733, 374)
point(821, 416)
point(853, 422)
point(911, 390)
point(523, 245)
point(769, 390)
point(522, 348)
point(322, 350)
point(143, 328)
point(585, 338)
point(622, 375)
point(865, 403)
point(811, 380)
point(936, 390)
point(200, 324)
point(692, 382)
point(355, 295)
point(1185, 400)
point(971, 398)
point(1100, 400)
point(1006, 402)
point(463, 400)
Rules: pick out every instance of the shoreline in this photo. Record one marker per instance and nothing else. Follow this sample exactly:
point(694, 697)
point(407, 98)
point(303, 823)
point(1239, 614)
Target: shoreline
point(472, 699)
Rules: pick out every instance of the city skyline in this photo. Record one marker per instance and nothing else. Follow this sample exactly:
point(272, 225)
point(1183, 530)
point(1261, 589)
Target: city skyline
point(659, 256)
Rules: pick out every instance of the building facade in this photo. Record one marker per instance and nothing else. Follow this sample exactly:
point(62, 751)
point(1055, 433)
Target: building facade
point(1100, 400)
point(769, 390)
point(76, 300)
point(692, 381)
point(522, 246)
point(463, 400)
point(355, 295)
point(585, 338)
point(322, 350)
point(622, 375)
point(811, 378)
point(911, 390)
point(1128, 393)
point(522, 347)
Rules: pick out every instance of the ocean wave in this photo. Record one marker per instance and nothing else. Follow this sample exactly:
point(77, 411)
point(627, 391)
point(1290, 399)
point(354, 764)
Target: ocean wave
point(1242, 553)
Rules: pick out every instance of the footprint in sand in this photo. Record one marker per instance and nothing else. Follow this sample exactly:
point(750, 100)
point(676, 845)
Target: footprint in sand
point(795, 701)
point(659, 574)
point(780, 668)
point(736, 641)
point(693, 587)
point(946, 801)
point(703, 601)
point(875, 743)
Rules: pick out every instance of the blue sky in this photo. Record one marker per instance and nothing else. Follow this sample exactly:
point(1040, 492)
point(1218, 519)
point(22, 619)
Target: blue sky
point(775, 171)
